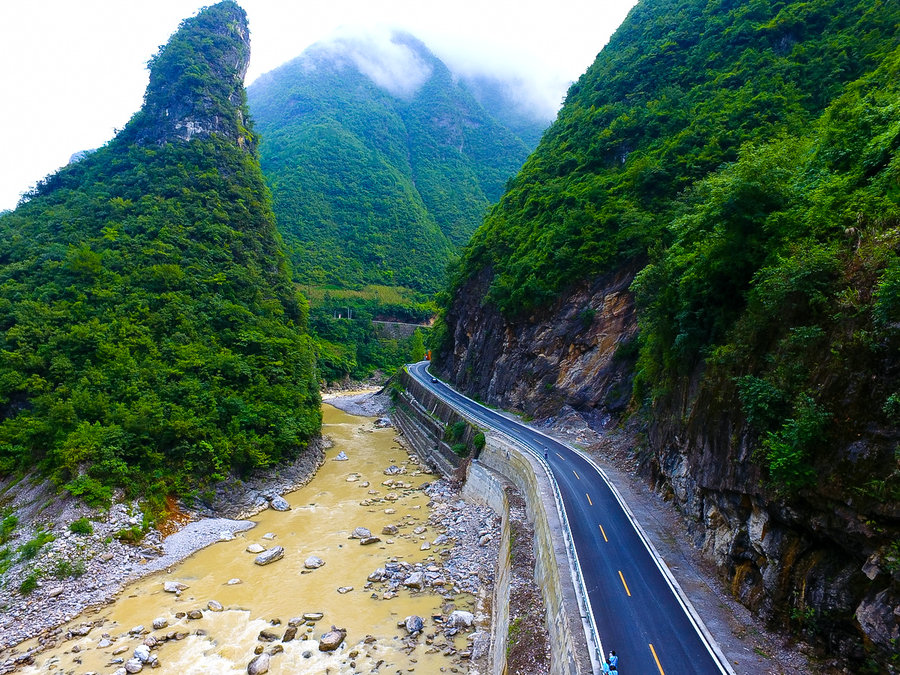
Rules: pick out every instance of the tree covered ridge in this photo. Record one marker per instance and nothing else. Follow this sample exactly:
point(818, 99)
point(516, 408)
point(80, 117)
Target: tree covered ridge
point(151, 335)
point(374, 183)
point(678, 90)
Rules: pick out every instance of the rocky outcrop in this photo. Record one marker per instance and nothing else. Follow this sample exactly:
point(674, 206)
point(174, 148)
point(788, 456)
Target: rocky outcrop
point(574, 352)
point(196, 84)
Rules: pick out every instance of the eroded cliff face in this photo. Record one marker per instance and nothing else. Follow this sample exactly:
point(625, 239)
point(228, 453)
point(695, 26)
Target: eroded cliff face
point(196, 83)
point(575, 353)
point(822, 563)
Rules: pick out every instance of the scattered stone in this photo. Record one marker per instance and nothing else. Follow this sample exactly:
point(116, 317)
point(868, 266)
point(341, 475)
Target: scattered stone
point(393, 470)
point(55, 592)
point(414, 624)
point(343, 590)
point(226, 535)
point(174, 586)
point(269, 535)
point(259, 665)
point(133, 666)
point(233, 582)
point(142, 653)
point(341, 457)
point(332, 639)
point(461, 619)
point(313, 616)
point(266, 636)
point(214, 606)
point(160, 623)
point(255, 548)
point(361, 533)
point(289, 634)
point(389, 529)
point(195, 614)
point(415, 580)
point(270, 556)
point(313, 562)
point(369, 540)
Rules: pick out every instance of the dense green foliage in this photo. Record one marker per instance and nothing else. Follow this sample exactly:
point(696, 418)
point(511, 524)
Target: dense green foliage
point(678, 90)
point(746, 156)
point(377, 183)
point(150, 334)
point(349, 345)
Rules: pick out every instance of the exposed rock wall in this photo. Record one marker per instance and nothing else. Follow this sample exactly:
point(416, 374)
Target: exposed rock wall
point(575, 352)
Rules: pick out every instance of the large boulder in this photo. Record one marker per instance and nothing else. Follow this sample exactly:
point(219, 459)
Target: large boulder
point(332, 639)
point(270, 556)
point(279, 503)
point(461, 619)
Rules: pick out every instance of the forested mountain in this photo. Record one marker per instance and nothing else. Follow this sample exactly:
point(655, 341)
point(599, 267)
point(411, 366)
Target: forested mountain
point(381, 163)
point(150, 335)
point(711, 231)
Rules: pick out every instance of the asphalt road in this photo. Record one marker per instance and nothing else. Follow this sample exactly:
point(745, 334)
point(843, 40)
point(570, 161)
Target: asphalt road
point(636, 610)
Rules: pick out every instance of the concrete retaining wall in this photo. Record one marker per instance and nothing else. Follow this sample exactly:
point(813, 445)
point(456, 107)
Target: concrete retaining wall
point(425, 417)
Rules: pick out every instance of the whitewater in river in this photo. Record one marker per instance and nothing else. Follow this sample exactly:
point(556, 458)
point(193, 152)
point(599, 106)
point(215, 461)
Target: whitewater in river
point(323, 515)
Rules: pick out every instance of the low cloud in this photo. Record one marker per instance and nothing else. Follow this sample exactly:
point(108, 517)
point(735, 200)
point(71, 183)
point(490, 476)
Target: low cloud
point(390, 64)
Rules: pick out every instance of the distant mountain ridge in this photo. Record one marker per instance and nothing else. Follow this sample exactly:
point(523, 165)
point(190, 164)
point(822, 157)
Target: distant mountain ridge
point(381, 162)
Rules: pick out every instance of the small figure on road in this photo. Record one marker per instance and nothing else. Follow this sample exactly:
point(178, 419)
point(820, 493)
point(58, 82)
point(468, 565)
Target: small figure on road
point(613, 661)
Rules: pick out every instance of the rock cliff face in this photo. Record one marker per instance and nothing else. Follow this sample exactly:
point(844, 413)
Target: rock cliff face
point(577, 352)
point(197, 81)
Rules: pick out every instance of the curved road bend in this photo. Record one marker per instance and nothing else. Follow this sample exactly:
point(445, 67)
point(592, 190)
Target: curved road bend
point(636, 610)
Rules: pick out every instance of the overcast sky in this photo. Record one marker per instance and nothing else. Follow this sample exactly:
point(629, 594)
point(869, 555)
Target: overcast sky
point(74, 71)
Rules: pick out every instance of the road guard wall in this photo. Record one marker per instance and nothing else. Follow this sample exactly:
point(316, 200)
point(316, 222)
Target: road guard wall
point(422, 417)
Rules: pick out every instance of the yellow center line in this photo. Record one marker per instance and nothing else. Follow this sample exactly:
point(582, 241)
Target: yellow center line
point(589, 498)
point(655, 658)
point(624, 584)
point(576, 475)
point(560, 456)
point(602, 532)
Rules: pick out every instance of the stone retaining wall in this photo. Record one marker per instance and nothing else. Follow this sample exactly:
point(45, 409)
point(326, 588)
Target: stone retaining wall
point(422, 417)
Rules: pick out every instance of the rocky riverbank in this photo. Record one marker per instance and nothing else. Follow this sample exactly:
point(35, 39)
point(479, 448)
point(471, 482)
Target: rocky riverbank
point(61, 556)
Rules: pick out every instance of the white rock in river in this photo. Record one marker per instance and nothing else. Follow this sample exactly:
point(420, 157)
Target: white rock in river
point(214, 606)
point(313, 562)
point(460, 618)
point(133, 666)
point(361, 533)
point(233, 582)
point(269, 535)
point(259, 665)
point(341, 457)
point(280, 504)
point(174, 586)
point(270, 556)
point(142, 653)
point(160, 623)
point(255, 548)
point(415, 580)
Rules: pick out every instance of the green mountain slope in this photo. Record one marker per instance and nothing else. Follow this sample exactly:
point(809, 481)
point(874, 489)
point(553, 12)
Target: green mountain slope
point(151, 336)
point(379, 162)
point(738, 165)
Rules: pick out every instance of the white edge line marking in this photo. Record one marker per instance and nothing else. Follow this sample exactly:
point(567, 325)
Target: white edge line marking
point(707, 638)
point(589, 625)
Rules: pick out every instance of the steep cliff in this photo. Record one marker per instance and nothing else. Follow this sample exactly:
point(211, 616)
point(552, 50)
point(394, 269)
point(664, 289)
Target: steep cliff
point(713, 221)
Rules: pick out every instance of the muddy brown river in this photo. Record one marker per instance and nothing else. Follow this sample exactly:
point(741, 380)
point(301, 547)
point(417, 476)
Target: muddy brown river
point(323, 515)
